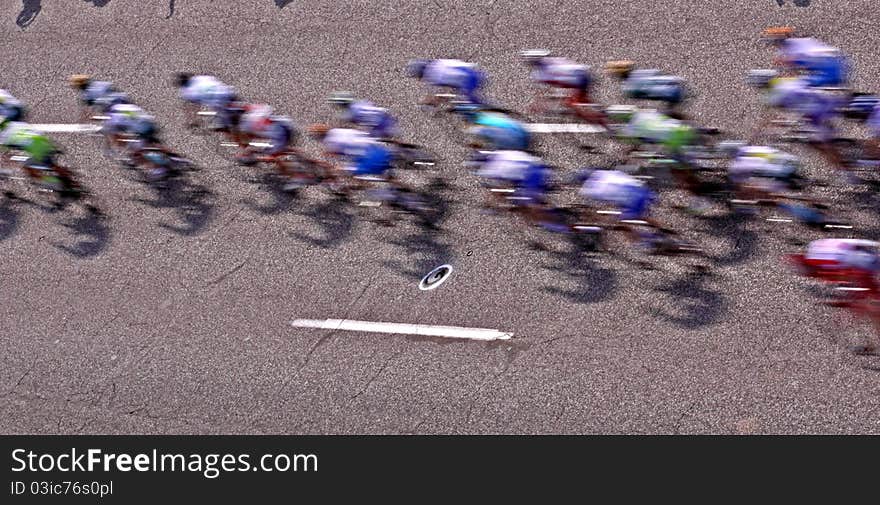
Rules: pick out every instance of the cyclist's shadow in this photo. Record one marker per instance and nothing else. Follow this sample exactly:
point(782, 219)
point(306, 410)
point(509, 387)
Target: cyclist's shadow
point(595, 283)
point(96, 235)
point(281, 200)
point(9, 218)
point(334, 220)
point(744, 242)
point(192, 202)
point(701, 306)
point(427, 248)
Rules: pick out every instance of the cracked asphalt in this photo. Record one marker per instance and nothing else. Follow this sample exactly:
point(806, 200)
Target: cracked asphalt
point(173, 315)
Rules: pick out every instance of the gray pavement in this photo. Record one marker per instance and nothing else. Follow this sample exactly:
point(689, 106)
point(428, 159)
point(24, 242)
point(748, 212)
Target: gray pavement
point(173, 315)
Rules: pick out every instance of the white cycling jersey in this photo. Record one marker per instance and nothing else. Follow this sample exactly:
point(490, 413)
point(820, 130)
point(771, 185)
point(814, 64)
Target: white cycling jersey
point(347, 142)
point(612, 186)
point(451, 73)
point(95, 91)
point(762, 161)
point(851, 253)
point(256, 119)
point(7, 99)
point(510, 166)
point(128, 118)
point(560, 71)
point(804, 48)
point(206, 90)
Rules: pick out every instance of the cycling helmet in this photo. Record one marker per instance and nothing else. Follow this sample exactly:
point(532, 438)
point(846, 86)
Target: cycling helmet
point(416, 68)
point(778, 32)
point(79, 81)
point(341, 99)
point(761, 78)
point(619, 68)
point(182, 79)
point(533, 56)
point(318, 131)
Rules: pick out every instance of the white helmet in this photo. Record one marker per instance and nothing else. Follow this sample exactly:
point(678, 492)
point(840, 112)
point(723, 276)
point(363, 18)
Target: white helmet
point(341, 98)
point(760, 78)
point(533, 56)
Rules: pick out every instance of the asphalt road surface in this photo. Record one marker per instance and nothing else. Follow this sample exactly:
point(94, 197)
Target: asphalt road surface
point(173, 316)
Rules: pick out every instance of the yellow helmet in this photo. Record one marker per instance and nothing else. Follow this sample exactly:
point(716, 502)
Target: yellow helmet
point(79, 80)
point(619, 67)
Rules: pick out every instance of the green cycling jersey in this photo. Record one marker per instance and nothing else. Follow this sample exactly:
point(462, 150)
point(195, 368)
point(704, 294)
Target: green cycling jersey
point(657, 128)
point(36, 145)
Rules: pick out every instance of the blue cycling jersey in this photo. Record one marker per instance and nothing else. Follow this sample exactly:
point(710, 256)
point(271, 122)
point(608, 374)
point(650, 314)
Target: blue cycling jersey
point(375, 159)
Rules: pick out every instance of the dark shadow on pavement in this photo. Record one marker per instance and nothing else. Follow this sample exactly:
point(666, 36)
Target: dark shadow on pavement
point(426, 250)
point(31, 8)
point(744, 243)
point(170, 9)
point(334, 220)
point(9, 217)
point(595, 283)
point(29, 11)
point(282, 3)
point(192, 202)
point(96, 235)
point(282, 201)
point(699, 306)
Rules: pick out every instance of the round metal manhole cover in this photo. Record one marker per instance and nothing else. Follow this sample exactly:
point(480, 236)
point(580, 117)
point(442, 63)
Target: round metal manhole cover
point(435, 277)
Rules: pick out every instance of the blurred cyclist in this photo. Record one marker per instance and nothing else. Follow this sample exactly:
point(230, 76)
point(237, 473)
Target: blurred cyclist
point(849, 263)
point(494, 129)
point(462, 78)
point(206, 91)
point(353, 153)
point(95, 97)
point(11, 109)
point(376, 121)
point(520, 179)
point(821, 64)
point(131, 130)
point(260, 123)
point(628, 196)
point(816, 108)
point(650, 84)
point(560, 73)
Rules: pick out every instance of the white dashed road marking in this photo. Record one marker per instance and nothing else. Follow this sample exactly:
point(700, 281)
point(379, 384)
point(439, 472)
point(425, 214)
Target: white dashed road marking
point(422, 330)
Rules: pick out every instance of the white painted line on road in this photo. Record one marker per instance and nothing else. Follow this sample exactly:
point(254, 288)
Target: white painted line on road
point(66, 128)
point(563, 128)
point(423, 330)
